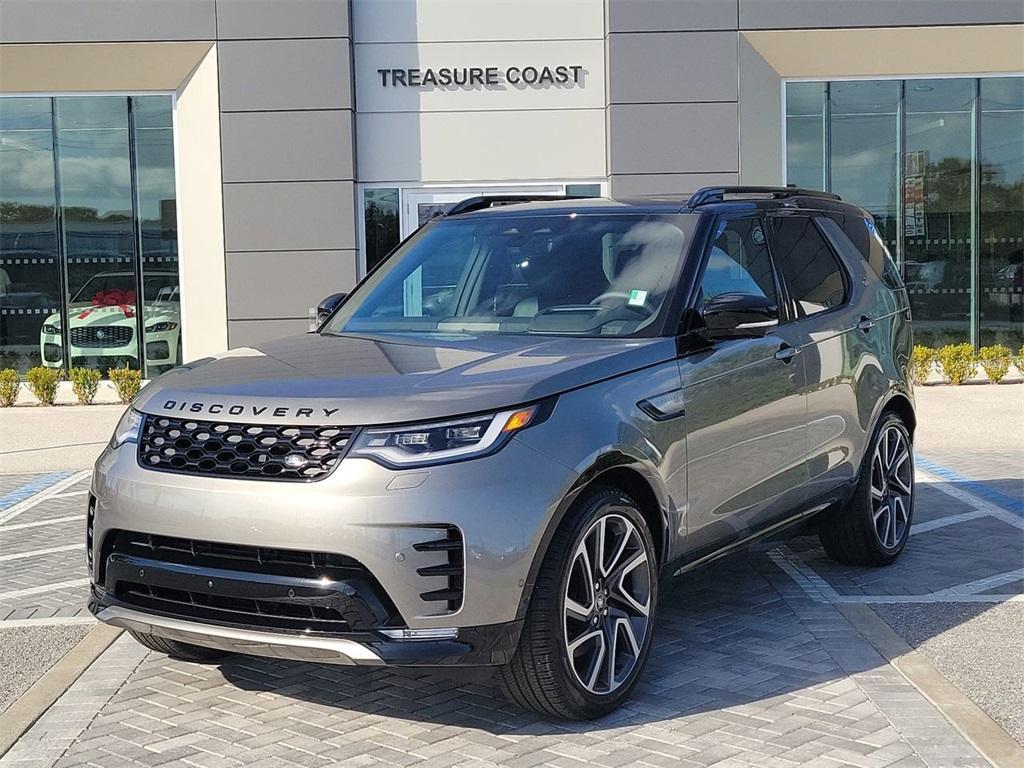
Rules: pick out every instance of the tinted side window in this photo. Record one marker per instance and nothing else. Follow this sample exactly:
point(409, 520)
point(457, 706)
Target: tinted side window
point(811, 271)
point(864, 235)
point(739, 262)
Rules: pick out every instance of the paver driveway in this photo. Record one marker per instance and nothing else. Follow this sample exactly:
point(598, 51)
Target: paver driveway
point(753, 665)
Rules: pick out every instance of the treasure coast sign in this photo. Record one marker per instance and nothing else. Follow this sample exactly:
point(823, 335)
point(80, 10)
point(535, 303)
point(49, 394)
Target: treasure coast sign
point(568, 75)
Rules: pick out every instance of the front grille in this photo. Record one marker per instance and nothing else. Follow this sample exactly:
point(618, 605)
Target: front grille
point(338, 593)
point(452, 567)
point(188, 446)
point(97, 336)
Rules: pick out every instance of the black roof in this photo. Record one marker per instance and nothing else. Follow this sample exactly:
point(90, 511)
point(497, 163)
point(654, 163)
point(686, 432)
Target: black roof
point(704, 200)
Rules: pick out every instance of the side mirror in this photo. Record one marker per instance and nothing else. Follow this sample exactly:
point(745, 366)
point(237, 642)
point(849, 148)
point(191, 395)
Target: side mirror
point(327, 306)
point(739, 316)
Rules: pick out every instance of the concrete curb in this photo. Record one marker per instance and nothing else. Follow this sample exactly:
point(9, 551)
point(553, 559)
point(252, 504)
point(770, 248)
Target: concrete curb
point(20, 716)
point(984, 733)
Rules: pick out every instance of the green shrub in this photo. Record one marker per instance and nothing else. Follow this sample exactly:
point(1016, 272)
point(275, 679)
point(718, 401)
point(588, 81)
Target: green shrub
point(84, 382)
point(1019, 361)
point(995, 361)
point(127, 382)
point(921, 361)
point(957, 362)
point(43, 381)
point(10, 383)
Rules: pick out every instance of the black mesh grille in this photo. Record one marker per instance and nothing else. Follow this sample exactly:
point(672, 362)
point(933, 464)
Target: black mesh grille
point(100, 336)
point(188, 446)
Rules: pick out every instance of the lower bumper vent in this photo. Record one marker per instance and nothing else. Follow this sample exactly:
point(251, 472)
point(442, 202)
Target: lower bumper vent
point(251, 587)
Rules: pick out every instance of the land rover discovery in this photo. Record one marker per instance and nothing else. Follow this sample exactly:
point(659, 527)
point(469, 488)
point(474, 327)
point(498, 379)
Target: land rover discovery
point(494, 448)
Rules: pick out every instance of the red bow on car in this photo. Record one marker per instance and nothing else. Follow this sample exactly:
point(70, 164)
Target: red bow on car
point(125, 300)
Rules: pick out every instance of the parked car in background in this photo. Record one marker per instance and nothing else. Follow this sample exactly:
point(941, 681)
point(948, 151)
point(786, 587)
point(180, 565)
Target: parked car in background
point(103, 326)
point(495, 449)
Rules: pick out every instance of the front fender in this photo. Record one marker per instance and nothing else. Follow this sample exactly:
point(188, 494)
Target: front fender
point(612, 461)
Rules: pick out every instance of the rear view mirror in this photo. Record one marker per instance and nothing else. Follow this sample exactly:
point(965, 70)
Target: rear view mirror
point(327, 306)
point(739, 316)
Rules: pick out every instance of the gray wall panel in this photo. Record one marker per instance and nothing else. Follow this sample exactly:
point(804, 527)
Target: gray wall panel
point(673, 138)
point(670, 15)
point(316, 215)
point(244, 333)
point(672, 66)
point(667, 183)
point(781, 14)
point(285, 74)
point(249, 19)
point(287, 146)
point(285, 284)
point(69, 21)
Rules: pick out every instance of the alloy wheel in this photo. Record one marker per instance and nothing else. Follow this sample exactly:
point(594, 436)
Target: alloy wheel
point(892, 486)
point(607, 603)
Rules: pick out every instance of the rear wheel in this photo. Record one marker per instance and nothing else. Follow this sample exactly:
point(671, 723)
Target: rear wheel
point(178, 650)
point(588, 629)
point(873, 527)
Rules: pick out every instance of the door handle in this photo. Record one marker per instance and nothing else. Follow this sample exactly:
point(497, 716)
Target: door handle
point(787, 353)
point(865, 324)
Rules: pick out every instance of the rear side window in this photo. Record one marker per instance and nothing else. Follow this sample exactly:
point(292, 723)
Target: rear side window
point(809, 268)
point(864, 235)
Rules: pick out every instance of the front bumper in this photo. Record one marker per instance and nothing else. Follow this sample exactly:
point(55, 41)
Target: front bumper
point(377, 517)
point(473, 646)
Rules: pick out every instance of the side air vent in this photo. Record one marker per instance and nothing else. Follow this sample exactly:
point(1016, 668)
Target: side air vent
point(90, 520)
point(452, 567)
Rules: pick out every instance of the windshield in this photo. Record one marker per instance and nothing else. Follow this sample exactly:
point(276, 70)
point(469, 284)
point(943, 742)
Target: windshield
point(566, 274)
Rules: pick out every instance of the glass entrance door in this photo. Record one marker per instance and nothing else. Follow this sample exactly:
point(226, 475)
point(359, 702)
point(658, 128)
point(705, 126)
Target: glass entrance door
point(420, 205)
point(392, 213)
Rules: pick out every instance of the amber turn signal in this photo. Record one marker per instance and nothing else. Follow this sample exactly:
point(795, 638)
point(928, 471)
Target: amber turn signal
point(519, 419)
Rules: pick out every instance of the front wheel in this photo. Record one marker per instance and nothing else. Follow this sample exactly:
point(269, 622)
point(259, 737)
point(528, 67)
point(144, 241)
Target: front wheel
point(588, 629)
point(873, 527)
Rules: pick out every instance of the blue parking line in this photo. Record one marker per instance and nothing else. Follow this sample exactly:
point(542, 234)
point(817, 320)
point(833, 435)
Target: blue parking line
point(977, 487)
point(41, 482)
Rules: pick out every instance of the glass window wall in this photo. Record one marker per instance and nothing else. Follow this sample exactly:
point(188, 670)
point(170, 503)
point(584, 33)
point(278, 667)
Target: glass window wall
point(1001, 212)
point(940, 165)
point(87, 227)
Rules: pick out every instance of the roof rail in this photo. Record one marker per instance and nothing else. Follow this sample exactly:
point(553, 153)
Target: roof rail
point(706, 195)
point(481, 202)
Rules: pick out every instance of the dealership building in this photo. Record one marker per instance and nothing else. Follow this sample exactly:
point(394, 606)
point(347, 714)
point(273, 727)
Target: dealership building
point(180, 177)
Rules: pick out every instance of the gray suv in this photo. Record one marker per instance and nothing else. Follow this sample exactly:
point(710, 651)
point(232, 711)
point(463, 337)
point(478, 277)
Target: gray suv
point(492, 450)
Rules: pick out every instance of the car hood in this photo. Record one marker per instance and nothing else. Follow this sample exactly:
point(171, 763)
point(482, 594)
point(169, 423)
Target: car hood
point(356, 380)
point(80, 315)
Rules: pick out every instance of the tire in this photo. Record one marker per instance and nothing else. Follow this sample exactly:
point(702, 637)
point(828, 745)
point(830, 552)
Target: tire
point(178, 650)
point(544, 675)
point(873, 528)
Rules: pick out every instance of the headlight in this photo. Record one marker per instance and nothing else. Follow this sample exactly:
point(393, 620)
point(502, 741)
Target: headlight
point(444, 441)
point(52, 330)
point(161, 327)
point(127, 429)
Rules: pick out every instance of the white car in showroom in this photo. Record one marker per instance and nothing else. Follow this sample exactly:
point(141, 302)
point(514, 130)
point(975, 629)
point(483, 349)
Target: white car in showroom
point(102, 324)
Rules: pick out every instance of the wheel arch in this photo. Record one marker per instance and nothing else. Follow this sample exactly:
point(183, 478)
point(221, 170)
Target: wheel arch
point(628, 474)
point(900, 404)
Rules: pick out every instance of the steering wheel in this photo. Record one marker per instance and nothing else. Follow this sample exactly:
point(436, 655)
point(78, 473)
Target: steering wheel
point(625, 301)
